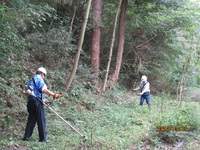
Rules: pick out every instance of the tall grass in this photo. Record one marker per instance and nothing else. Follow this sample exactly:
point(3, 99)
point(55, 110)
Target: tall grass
point(114, 122)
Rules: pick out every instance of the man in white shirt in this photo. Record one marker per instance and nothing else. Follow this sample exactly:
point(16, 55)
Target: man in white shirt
point(144, 90)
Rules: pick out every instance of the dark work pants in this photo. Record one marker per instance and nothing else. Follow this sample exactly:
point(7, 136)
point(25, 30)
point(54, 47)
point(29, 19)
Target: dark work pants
point(36, 114)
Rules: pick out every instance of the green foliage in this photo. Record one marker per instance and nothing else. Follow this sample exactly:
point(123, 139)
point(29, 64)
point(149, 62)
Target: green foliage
point(52, 47)
point(165, 34)
point(183, 117)
point(9, 39)
point(42, 15)
point(34, 17)
point(14, 25)
point(168, 3)
point(174, 124)
point(198, 81)
point(32, 36)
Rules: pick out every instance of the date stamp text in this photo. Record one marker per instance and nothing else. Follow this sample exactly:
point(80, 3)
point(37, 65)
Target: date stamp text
point(171, 128)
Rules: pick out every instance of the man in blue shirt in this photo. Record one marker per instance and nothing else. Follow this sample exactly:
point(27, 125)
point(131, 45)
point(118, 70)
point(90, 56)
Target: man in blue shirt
point(35, 106)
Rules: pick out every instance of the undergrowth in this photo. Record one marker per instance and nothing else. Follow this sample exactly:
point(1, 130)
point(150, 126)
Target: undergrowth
point(115, 121)
point(111, 121)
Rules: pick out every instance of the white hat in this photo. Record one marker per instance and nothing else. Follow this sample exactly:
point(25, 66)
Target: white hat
point(43, 70)
point(143, 78)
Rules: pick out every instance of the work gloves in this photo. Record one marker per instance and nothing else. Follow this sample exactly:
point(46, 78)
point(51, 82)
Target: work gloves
point(57, 95)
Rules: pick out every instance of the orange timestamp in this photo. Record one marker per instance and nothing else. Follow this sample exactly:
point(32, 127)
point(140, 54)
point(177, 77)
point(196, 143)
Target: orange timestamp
point(171, 128)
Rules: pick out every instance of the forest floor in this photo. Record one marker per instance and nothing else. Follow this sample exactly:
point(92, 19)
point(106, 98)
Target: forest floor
point(117, 124)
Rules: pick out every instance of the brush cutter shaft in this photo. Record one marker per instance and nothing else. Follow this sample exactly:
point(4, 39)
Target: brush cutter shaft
point(64, 120)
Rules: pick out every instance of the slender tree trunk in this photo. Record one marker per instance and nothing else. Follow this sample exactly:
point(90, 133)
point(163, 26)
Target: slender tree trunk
point(95, 40)
point(72, 74)
point(72, 22)
point(114, 76)
point(111, 47)
point(181, 87)
point(184, 77)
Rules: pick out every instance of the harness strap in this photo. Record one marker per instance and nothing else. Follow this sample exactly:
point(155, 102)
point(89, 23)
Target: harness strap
point(37, 87)
point(143, 86)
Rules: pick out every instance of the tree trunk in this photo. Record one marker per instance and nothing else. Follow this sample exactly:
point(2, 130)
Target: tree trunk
point(72, 74)
point(71, 24)
point(181, 89)
point(95, 40)
point(114, 76)
point(111, 47)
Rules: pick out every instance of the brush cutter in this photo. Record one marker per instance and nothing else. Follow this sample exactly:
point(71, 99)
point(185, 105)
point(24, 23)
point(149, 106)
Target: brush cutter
point(29, 92)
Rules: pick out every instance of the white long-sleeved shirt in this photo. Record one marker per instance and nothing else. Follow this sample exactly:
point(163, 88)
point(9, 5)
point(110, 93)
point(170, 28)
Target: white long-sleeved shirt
point(144, 87)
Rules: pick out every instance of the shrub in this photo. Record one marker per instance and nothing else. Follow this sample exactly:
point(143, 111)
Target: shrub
point(175, 125)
